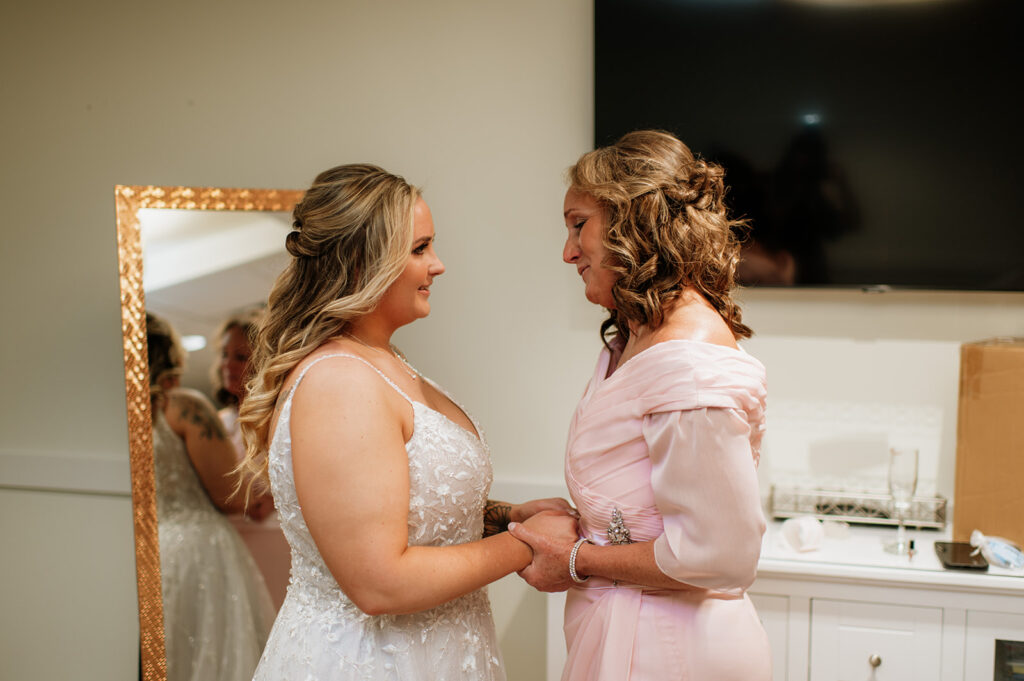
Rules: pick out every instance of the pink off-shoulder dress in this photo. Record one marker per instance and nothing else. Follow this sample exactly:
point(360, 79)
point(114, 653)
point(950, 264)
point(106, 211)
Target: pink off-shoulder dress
point(671, 440)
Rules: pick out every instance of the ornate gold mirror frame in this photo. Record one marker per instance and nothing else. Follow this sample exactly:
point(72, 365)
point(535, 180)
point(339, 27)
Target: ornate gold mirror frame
point(129, 200)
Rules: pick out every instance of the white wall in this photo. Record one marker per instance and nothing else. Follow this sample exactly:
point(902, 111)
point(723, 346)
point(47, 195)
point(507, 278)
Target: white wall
point(482, 103)
point(851, 373)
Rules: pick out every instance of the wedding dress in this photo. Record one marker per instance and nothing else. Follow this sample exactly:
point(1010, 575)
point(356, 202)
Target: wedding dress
point(321, 634)
point(217, 610)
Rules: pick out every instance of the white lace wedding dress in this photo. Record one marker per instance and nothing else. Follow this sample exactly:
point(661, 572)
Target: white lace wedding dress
point(217, 610)
point(321, 634)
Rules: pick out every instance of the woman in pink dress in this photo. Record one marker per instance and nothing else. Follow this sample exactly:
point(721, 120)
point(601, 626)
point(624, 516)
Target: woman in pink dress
point(260, 527)
point(663, 447)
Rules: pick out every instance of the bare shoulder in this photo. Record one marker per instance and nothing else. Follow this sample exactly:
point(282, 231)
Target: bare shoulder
point(187, 408)
point(697, 322)
point(346, 390)
point(346, 426)
point(335, 376)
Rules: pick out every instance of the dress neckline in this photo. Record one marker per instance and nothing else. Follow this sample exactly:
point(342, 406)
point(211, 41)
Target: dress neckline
point(476, 436)
point(605, 364)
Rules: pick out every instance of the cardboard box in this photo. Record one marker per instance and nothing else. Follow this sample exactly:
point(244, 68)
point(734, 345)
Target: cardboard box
point(990, 441)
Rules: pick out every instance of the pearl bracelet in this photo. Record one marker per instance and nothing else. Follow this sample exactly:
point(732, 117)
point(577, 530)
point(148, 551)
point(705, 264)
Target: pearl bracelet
point(572, 560)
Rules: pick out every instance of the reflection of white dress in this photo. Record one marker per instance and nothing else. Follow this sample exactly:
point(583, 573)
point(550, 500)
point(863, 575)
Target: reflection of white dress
point(217, 612)
point(321, 634)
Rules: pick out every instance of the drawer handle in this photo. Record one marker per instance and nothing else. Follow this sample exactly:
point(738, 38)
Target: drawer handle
point(875, 661)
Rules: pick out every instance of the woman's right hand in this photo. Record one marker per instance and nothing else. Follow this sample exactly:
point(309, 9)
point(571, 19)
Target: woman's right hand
point(551, 535)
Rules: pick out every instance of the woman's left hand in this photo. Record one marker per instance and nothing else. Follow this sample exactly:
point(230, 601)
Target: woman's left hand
point(521, 512)
point(551, 535)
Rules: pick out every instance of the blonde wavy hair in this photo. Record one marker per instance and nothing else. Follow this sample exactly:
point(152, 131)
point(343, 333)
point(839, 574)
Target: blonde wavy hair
point(352, 236)
point(668, 228)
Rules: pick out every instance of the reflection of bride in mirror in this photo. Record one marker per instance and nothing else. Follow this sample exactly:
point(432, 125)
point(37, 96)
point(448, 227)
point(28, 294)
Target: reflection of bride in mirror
point(217, 612)
point(230, 371)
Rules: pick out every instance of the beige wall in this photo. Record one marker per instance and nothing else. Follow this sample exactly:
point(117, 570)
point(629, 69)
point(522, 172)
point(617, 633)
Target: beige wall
point(482, 103)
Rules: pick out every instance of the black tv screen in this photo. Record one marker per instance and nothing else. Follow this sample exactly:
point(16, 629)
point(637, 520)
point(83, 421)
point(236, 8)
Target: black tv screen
point(868, 144)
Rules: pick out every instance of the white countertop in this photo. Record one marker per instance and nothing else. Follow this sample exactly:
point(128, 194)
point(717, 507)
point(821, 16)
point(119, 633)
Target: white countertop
point(860, 557)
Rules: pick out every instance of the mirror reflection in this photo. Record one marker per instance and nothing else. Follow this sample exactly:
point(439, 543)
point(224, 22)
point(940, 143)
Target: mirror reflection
point(223, 563)
point(217, 609)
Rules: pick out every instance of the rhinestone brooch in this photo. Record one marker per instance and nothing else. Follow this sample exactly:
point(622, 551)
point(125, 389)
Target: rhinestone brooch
point(618, 533)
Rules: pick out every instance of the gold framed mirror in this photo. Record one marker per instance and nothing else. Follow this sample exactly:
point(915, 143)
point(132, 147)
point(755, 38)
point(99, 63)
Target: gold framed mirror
point(131, 202)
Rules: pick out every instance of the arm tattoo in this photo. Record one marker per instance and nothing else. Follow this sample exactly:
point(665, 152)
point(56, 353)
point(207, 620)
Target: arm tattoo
point(496, 517)
point(197, 413)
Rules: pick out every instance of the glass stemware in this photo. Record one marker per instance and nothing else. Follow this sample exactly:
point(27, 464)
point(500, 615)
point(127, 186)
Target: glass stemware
point(902, 485)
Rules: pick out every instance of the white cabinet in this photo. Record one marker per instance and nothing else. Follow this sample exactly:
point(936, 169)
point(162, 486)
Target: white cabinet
point(852, 641)
point(774, 614)
point(984, 630)
point(839, 624)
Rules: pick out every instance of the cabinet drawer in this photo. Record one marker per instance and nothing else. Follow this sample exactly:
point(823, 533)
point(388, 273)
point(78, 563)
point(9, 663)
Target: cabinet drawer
point(853, 641)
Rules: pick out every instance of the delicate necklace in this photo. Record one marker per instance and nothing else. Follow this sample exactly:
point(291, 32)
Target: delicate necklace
point(408, 368)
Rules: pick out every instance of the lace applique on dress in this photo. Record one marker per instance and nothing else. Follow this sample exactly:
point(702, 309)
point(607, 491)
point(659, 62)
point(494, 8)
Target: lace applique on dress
point(321, 634)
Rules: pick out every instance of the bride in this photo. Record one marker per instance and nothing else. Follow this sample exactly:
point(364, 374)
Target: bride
point(379, 477)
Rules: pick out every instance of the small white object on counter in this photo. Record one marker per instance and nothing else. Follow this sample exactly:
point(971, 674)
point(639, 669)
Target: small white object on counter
point(998, 551)
point(804, 533)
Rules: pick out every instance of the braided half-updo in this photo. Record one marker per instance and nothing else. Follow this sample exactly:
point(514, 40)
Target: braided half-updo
point(351, 239)
point(668, 228)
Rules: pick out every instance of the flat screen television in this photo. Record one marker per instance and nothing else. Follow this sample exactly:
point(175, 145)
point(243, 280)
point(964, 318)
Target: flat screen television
point(869, 143)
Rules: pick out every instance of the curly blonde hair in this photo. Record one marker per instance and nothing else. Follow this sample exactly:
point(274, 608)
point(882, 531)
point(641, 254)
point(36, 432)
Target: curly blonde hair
point(247, 321)
point(668, 228)
point(352, 237)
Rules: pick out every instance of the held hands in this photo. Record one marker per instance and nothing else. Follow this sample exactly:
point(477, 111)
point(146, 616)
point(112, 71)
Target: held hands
point(520, 512)
point(498, 514)
point(551, 536)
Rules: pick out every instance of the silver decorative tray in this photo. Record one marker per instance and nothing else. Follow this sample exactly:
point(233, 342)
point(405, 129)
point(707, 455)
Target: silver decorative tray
point(852, 506)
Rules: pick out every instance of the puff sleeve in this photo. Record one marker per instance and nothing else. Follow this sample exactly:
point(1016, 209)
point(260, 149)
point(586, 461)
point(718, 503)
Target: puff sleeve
point(705, 486)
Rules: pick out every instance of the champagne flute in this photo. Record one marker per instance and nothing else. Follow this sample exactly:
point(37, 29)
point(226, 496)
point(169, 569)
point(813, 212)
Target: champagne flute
point(902, 485)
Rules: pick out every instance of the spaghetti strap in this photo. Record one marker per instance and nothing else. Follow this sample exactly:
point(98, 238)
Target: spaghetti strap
point(359, 359)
